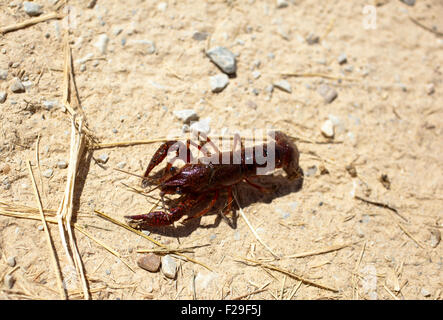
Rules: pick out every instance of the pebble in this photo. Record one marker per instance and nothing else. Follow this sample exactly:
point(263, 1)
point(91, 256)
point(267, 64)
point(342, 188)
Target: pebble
point(311, 171)
point(11, 262)
point(3, 96)
point(312, 39)
point(186, 115)
point(408, 2)
point(224, 59)
point(169, 266)
point(327, 129)
point(435, 238)
point(121, 165)
point(32, 9)
point(48, 173)
point(9, 281)
point(342, 59)
point(282, 4)
point(17, 86)
point(83, 67)
point(3, 74)
point(162, 6)
point(256, 74)
point(425, 293)
point(283, 85)
point(62, 164)
point(103, 158)
point(102, 43)
point(430, 88)
point(40, 228)
point(48, 105)
point(328, 93)
point(218, 82)
point(201, 126)
point(148, 46)
point(150, 262)
point(200, 36)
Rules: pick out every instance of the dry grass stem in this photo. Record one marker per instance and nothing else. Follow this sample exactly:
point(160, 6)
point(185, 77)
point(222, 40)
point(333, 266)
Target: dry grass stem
point(30, 22)
point(321, 251)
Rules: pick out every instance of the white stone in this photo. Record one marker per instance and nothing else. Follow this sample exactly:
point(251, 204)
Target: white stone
point(186, 115)
point(201, 126)
point(218, 82)
point(327, 129)
point(102, 43)
point(283, 85)
point(169, 266)
point(32, 9)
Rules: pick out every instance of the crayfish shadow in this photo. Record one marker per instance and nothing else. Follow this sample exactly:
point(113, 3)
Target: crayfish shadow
point(278, 186)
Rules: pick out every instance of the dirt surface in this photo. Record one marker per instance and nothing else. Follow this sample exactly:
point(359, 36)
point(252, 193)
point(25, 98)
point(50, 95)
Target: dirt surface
point(387, 121)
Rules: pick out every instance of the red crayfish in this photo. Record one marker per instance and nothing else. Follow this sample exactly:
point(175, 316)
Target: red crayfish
point(203, 177)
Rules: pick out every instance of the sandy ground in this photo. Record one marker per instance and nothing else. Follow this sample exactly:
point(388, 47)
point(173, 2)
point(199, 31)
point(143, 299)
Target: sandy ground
point(387, 118)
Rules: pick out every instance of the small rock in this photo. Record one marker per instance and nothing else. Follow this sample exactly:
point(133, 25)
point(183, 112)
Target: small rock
point(255, 91)
point(162, 6)
point(256, 74)
point(408, 2)
point(311, 171)
point(48, 173)
point(121, 165)
point(269, 89)
point(342, 59)
point(282, 4)
point(3, 96)
point(82, 67)
point(328, 93)
point(17, 86)
point(435, 238)
point(251, 104)
point(224, 59)
point(3, 74)
point(283, 85)
point(201, 126)
point(146, 46)
point(40, 228)
point(430, 88)
point(102, 43)
point(9, 281)
point(312, 39)
point(169, 266)
point(48, 105)
point(91, 4)
point(32, 9)
point(62, 164)
point(218, 82)
point(351, 170)
point(200, 36)
point(327, 129)
point(186, 115)
point(11, 262)
point(384, 179)
point(150, 262)
point(103, 158)
point(425, 293)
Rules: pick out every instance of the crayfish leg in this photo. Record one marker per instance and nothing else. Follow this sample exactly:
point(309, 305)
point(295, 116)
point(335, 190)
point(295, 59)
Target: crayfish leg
point(207, 209)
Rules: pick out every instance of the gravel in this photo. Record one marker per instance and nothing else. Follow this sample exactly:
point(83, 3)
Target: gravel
point(328, 93)
point(186, 115)
point(146, 46)
point(282, 4)
point(224, 59)
point(103, 158)
point(3, 96)
point(48, 173)
point(11, 262)
point(17, 86)
point(32, 9)
point(121, 165)
point(408, 2)
point(342, 59)
point(256, 74)
point(218, 82)
point(283, 85)
point(9, 281)
point(150, 262)
point(200, 36)
point(48, 105)
point(430, 88)
point(312, 39)
point(169, 266)
point(3, 74)
point(62, 164)
point(102, 43)
point(435, 238)
point(201, 126)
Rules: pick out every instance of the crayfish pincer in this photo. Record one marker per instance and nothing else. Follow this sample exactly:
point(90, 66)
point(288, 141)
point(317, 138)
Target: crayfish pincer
point(203, 178)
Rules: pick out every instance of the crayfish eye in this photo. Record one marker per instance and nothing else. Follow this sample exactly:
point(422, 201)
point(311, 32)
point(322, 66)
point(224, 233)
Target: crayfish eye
point(178, 190)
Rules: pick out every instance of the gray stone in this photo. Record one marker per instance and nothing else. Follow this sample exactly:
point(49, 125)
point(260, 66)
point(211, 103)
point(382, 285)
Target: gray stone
point(3, 96)
point(256, 74)
point(169, 266)
point(102, 43)
point(121, 164)
point(328, 93)
point(186, 115)
point(201, 126)
point(32, 9)
point(224, 59)
point(283, 85)
point(103, 158)
point(48, 173)
point(150, 262)
point(48, 105)
point(312, 39)
point(342, 59)
point(17, 86)
point(11, 262)
point(425, 292)
point(200, 36)
point(9, 281)
point(3, 74)
point(62, 164)
point(408, 2)
point(218, 82)
point(282, 4)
